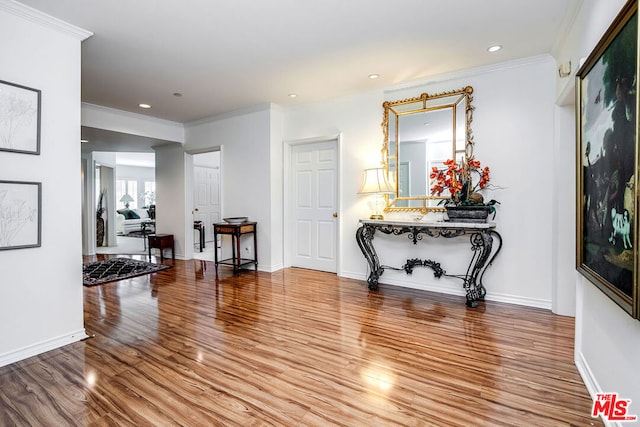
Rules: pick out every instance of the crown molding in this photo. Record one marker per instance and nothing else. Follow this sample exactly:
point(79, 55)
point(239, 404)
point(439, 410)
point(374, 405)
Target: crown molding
point(30, 14)
point(86, 106)
point(266, 106)
point(470, 72)
point(567, 24)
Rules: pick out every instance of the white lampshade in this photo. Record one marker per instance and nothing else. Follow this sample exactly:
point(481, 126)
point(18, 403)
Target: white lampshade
point(375, 182)
point(126, 199)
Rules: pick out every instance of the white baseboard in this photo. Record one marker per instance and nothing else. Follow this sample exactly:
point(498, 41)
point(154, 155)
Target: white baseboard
point(591, 383)
point(351, 275)
point(41, 347)
point(587, 376)
point(261, 267)
point(512, 299)
point(270, 268)
point(434, 287)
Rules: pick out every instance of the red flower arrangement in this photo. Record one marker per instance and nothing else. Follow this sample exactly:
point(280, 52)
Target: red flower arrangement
point(458, 179)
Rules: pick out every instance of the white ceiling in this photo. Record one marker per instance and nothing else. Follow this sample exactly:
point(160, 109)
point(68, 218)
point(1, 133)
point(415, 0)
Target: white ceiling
point(228, 55)
point(146, 160)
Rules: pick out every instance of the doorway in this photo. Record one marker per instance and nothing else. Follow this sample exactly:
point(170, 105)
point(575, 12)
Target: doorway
point(105, 202)
point(311, 204)
point(206, 199)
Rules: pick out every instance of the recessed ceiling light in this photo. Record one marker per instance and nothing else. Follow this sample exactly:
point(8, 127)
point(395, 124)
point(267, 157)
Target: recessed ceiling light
point(494, 48)
point(144, 105)
point(374, 76)
point(292, 95)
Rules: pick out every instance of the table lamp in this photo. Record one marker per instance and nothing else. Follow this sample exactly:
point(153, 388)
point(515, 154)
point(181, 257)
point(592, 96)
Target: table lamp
point(126, 199)
point(375, 184)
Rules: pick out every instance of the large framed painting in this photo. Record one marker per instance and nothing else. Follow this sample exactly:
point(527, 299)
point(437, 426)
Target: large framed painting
point(19, 118)
point(607, 150)
point(20, 214)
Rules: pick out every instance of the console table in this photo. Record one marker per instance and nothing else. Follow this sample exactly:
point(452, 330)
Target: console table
point(481, 237)
point(236, 230)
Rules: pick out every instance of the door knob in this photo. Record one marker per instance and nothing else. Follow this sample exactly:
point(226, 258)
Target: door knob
point(335, 214)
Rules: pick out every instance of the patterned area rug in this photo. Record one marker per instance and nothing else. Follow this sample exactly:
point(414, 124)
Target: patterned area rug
point(110, 270)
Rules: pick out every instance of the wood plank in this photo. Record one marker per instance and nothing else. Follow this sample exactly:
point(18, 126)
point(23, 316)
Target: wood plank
point(298, 347)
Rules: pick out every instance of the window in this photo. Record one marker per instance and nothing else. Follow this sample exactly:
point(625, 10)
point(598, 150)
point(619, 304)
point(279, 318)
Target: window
point(149, 194)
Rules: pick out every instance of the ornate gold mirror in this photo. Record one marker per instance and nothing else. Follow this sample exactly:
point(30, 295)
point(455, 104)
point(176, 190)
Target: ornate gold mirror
point(419, 134)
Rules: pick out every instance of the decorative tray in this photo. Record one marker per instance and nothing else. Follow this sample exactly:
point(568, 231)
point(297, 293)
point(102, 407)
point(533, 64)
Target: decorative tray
point(236, 219)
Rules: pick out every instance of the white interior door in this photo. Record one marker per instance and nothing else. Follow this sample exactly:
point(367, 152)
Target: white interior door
point(314, 201)
point(206, 197)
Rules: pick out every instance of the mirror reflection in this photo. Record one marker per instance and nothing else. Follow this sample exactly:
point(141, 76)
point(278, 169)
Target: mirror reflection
point(421, 133)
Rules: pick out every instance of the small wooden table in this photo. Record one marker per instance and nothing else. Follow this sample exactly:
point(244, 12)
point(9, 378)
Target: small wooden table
point(235, 231)
point(197, 225)
point(162, 242)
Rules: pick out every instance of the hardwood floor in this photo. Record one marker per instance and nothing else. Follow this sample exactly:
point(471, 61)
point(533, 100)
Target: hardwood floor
point(298, 348)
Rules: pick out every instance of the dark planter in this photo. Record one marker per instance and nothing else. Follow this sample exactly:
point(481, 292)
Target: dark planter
point(99, 232)
point(467, 213)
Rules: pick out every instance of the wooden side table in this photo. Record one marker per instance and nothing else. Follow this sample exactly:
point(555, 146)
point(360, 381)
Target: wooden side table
point(235, 231)
point(162, 242)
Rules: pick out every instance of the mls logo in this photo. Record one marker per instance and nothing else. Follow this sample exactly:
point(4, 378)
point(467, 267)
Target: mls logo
point(611, 408)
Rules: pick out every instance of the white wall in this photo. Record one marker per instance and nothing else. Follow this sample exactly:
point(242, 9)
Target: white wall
point(513, 128)
point(357, 119)
point(247, 177)
point(41, 288)
point(276, 188)
point(107, 163)
point(89, 197)
point(88, 219)
point(171, 192)
point(607, 340)
point(564, 213)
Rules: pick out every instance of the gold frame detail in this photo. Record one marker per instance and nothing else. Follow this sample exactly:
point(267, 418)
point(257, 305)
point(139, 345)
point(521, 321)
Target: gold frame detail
point(607, 157)
point(422, 105)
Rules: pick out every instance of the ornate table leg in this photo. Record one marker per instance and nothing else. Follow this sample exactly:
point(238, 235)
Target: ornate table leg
point(364, 237)
point(491, 233)
point(481, 245)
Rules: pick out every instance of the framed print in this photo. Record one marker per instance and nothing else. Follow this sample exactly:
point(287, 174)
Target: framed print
point(19, 118)
point(20, 214)
point(607, 164)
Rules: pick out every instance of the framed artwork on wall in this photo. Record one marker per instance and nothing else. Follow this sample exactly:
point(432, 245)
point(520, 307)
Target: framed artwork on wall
point(607, 163)
point(20, 214)
point(19, 118)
